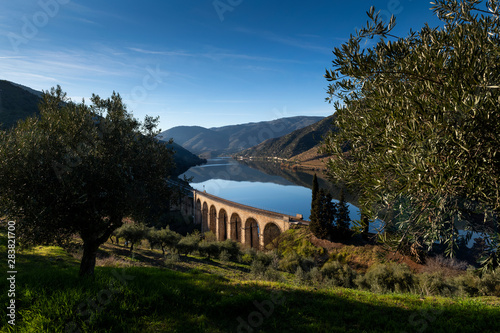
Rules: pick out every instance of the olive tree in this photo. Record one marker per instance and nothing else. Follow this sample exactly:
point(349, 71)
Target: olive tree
point(80, 169)
point(419, 117)
point(164, 238)
point(133, 233)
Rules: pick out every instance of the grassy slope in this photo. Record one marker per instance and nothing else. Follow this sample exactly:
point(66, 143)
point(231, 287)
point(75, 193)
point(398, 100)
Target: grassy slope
point(51, 298)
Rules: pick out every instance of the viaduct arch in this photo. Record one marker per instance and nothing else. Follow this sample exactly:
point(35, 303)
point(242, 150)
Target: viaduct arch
point(250, 226)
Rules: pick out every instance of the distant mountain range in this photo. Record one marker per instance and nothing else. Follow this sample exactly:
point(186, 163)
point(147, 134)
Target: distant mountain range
point(301, 144)
point(228, 140)
point(296, 138)
point(19, 102)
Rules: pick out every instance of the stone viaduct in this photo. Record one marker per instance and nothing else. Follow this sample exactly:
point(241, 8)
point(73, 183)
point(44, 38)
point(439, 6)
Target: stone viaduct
point(250, 226)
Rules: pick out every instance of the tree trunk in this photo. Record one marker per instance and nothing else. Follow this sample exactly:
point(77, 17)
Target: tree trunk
point(87, 264)
point(92, 239)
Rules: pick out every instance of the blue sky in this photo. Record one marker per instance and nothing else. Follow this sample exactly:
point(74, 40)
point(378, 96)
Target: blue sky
point(199, 62)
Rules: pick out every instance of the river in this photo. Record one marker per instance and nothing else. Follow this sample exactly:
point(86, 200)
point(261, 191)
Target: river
point(267, 186)
point(261, 185)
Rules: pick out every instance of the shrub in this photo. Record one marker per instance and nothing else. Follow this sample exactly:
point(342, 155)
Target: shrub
point(290, 262)
point(299, 241)
point(390, 277)
point(449, 266)
point(209, 249)
point(172, 259)
point(224, 256)
point(189, 243)
point(264, 257)
point(275, 259)
point(257, 268)
point(435, 284)
point(272, 274)
point(339, 274)
point(232, 248)
point(316, 276)
point(209, 236)
point(466, 285)
point(307, 264)
point(489, 284)
point(247, 256)
point(300, 276)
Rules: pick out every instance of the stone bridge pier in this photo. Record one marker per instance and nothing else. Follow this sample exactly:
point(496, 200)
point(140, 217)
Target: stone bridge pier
point(250, 226)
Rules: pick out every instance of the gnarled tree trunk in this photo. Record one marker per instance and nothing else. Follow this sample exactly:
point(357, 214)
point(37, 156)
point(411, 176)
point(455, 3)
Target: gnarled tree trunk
point(87, 264)
point(91, 243)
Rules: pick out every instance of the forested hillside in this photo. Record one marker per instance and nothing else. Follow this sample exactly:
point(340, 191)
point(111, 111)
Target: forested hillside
point(16, 103)
point(293, 144)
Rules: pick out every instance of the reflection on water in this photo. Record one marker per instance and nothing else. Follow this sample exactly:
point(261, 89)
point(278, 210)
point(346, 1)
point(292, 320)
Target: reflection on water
point(261, 185)
point(268, 186)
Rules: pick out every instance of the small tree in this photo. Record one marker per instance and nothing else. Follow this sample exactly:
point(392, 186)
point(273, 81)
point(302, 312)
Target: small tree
point(164, 238)
point(315, 188)
point(322, 214)
point(342, 218)
point(189, 243)
point(133, 233)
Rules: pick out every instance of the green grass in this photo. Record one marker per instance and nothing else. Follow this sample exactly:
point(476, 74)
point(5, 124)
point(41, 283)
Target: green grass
point(51, 298)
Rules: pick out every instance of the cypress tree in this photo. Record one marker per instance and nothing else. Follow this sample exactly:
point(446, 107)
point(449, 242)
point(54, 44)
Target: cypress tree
point(319, 217)
point(315, 187)
point(315, 208)
point(342, 217)
point(330, 212)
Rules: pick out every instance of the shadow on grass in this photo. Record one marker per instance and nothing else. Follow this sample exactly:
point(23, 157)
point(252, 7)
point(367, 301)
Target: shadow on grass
point(50, 297)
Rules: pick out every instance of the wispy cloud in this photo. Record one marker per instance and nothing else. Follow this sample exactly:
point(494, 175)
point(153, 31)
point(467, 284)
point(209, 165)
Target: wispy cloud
point(165, 53)
point(230, 101)
point(42, 68)
point(304, 42)
point(261, 69)
point(212, 53)
point(14, 57)
point(88, 12)
point(87, 21)
point(238, 56)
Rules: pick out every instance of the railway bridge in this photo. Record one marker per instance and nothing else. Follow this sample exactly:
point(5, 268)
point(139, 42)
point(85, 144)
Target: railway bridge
point(253, 227)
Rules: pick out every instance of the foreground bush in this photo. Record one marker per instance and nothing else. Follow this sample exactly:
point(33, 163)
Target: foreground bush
point(339, 274)
point(209, 249)
point(189, 243)
point(232, 249)
point(292, 261)
point(489, 284)
point(384, 278)
point(435, 284)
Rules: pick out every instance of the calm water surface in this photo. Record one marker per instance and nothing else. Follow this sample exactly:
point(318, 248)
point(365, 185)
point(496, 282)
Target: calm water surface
point(265, 187)
point(231, 180)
